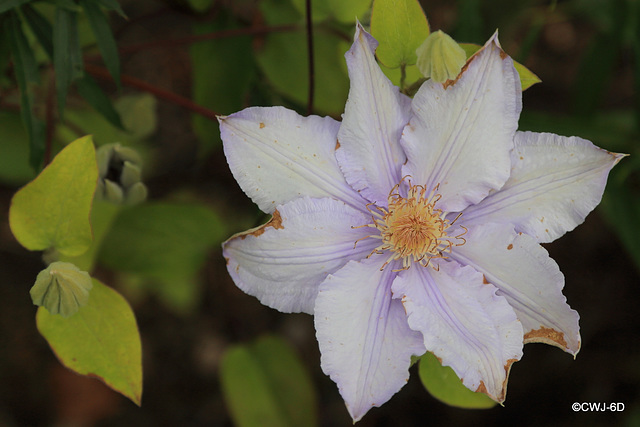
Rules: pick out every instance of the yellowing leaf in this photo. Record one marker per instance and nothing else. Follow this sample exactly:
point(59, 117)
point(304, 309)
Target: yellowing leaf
point(527, 78)
point(101, 340)
point(443, 384)
point(53, 209)
point(400, 26)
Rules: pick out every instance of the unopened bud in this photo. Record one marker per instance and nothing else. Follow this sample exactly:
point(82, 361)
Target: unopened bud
point(120, 175)
point(61, 288)
point(440, 57)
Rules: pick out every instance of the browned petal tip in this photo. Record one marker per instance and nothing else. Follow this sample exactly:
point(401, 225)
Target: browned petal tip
point(547, 336)
point(275, 222)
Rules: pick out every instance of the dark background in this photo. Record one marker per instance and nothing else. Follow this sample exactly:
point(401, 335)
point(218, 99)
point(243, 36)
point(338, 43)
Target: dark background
point(182, 353)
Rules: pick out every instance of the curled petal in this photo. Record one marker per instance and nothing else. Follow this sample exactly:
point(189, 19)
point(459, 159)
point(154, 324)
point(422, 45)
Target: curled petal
point(369, 153)
point(464, 323)
point(364, 338)
point(283, 262)
point(277, 155)
point(555, 182)
point(528, 278)
point(461, 132)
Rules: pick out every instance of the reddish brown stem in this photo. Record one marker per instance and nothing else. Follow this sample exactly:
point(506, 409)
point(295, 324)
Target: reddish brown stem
point(102, 73)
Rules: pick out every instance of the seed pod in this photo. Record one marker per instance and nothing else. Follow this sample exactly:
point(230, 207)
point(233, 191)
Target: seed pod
point(61, 288)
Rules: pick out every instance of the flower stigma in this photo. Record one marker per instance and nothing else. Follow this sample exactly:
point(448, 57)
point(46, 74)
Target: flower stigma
point(412, 228)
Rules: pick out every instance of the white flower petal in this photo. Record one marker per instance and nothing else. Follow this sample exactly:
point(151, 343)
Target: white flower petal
point(461, 131)
point(277, 155)
point(364, 338)
point(369, 154)
point(555, 182)
point(530, 280)
point(283, 262)
point(464, 323)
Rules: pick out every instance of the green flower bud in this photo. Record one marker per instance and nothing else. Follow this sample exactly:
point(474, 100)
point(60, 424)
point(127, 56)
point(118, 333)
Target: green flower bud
point(61, 288)
point(120, 174)
point(440, 57)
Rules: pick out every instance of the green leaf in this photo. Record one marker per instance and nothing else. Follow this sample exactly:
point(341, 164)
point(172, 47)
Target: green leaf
point(101, 340)
point(265, 384)
point(26, 71)
point(69, 5)
point(113, 5)
point(621, 206)
point(14, 146)
point(166, 243)
point(400, 26)
point(41, 28)
point(222, 72)
point(527, 78)
point(444, 385)
point(67, 57)
point(10, 4)
point(53, 209)
point(91, 92)
point(104, 38)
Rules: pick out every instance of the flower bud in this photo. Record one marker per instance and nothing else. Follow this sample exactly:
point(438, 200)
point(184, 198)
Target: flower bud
point(440, 57)
point(120, 175)
point(61, 288)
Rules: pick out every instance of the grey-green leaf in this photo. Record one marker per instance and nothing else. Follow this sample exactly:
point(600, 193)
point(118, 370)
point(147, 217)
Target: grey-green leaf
point(104, 38)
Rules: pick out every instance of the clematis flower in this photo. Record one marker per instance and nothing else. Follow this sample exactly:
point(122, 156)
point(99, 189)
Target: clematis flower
point(413, 225)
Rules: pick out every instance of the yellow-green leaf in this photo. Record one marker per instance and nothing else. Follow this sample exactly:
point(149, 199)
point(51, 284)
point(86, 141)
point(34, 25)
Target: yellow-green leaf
point(101, 340)
point(527, 78)
point(400, 26)
point(52, 211)
point(265, 384)
point(443, 384)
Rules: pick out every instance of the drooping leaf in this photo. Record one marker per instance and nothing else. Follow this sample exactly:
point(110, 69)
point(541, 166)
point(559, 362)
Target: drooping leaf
point(52, 211)
point(104, 38)
point(265, 384)
point(400, 26)
point(26, 71)
point(222, 73)
point(444, 385)
point(91, 92)
point(166, 243)
point(101, 340)
point(67, 56)
point(41, 28)
point(527, 78)
point(10, 4)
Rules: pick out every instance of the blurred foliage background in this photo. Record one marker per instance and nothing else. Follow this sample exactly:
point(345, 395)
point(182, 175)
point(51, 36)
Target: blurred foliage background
point(180, 62)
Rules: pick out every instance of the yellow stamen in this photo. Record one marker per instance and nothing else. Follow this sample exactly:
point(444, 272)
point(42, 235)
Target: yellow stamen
point(412, 228)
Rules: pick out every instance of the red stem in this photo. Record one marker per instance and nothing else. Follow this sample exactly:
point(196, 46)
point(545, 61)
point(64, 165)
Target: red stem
point(102, 73)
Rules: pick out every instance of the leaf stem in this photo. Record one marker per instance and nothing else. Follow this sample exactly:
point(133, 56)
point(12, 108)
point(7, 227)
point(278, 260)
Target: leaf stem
point(403, 76)
point(102, 73)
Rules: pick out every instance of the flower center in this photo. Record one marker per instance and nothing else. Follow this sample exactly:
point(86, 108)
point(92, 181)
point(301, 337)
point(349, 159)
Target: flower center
point(412, 228)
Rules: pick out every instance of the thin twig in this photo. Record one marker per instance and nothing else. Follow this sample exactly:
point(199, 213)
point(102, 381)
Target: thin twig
point(310, 53)
point(102, 73)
